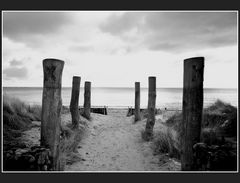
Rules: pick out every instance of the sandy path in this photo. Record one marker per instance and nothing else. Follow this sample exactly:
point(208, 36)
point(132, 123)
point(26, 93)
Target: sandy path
point(113, 143)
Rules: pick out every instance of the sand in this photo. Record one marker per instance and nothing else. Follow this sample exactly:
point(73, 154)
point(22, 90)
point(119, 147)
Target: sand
point(113, 143)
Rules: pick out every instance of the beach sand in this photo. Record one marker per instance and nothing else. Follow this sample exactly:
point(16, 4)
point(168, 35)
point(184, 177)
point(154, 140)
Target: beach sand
point(113, 143)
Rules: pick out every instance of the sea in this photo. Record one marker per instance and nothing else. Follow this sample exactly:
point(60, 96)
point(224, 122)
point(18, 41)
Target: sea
point(170, 98)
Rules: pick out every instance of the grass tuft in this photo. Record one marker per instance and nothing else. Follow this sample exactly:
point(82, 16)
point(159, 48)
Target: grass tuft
point(70, 138)
point(165, 143)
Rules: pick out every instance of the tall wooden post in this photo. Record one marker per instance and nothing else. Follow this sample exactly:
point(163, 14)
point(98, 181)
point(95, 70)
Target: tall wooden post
point(51, 108)
point(87, 100)
point(151, 107)
point(74, 104)
point(137, 101)
point(192, 109)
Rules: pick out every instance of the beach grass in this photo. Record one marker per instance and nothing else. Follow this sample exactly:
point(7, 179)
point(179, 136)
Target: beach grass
point(71, 137)
point(219, 120)
point(164, 142)
point(17, 116)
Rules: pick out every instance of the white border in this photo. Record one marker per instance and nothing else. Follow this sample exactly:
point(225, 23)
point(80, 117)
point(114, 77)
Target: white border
point(116, 171)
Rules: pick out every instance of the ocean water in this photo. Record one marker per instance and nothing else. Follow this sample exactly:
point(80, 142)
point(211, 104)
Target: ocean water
point(124, 97)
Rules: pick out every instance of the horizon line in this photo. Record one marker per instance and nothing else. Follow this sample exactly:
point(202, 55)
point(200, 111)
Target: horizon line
point(115, 87)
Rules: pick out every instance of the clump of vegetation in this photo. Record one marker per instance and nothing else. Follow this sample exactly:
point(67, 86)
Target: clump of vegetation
point(164, 143)
point(17, 114)
point(221, 118)
point(175, 121)
point(17, 117)
point(70, 138)
point(219, 132)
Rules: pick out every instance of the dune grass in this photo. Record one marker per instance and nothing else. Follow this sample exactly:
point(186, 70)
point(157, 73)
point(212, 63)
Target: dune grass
point(219, 120)
point(17, 117)
point(15, 108)
point(164, 142)
point(71, 137)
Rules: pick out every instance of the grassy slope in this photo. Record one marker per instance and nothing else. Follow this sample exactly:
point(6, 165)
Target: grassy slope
point(219, 119)
point(17, 117)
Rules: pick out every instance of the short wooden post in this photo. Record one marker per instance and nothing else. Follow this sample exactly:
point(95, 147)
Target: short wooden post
point(151, 107)
point(87, 100)
point(192, 109)
point(137, 102)
point(51, 108)
point(74, 104)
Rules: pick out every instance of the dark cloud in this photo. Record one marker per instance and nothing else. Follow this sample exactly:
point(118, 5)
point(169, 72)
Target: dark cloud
point(15, 72)
point(175, 31)
point(19, 26)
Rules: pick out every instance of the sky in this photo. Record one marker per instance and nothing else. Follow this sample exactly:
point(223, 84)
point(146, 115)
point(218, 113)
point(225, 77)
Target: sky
point(118, 48)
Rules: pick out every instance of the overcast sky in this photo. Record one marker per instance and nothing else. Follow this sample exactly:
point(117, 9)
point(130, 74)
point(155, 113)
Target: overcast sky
point(118, 48)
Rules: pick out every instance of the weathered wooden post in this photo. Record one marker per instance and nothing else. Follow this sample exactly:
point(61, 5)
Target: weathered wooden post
point(137, 102)
point(74, 104)
point(151, 107)
point(51, 108)
point(87, 100)
point(192, 109)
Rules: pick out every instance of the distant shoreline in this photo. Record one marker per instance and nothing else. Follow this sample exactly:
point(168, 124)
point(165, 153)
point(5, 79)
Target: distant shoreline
point(106, 87)
point(116, 96)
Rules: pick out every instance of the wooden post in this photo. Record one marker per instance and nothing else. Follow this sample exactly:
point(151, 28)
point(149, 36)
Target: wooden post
point(87, 100)
point(192, 109)
point(51, 108)
point(137, 102)
point(151, 107)
point(74, 104)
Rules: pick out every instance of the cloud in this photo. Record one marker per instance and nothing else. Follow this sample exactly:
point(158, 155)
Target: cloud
point(22, 26)
point(15, 69)
point(120, 24)
point(15, 63)
point(81, 48)
point(174, 31)
point(15, 72)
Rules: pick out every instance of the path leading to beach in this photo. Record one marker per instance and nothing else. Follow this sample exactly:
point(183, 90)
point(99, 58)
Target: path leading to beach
point(114, 143)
